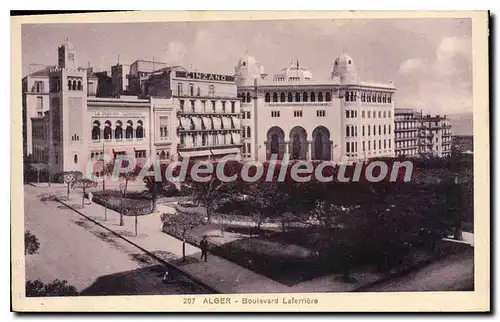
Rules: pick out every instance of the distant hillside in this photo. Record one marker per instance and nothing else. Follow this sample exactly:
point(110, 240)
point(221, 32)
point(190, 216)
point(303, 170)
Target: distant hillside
point(461, 123)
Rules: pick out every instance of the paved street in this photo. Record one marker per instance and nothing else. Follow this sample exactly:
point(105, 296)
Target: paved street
point(71, 252)
point(454, 273)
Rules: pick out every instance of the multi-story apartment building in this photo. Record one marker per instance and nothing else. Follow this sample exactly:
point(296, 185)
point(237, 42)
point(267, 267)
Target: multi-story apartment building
point(434, 136)
point(406, 128)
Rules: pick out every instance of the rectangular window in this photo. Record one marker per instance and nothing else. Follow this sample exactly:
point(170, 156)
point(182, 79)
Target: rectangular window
point(233, 108)
point(181, 104)
point(179, 89)
point(379, 114)
point(384, 114)
point(223, 106)
point(211, 90)
point(275, 113)
point(363, 145)
point(213, 106)
point(369, 114)
point(363, 130)
point(39, 103)
point(140, 154)
point(369, 145)
point(385, 147)
point(248, 115)
point(368, 130)
point(389, 114)
point(297, 113)
point(353, 147)
point(192, 106)
point(379, 144)
point(362, 114)
point(347, 147)
point(204, 104)
point(389, 144)
point(347, 114)
point(321, 113)
point(243, 115)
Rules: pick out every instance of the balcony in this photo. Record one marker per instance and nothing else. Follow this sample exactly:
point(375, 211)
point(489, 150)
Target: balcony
point(201, 113)
point(184, 148)
point(181, 129)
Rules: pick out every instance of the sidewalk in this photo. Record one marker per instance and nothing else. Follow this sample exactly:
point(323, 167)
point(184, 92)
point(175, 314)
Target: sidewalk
point(218, 273)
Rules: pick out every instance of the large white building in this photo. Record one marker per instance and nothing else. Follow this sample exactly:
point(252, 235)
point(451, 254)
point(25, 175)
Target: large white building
point(291, 112)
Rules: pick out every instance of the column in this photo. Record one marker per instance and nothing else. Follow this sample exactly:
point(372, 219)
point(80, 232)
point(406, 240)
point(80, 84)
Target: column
point(287, 148)
point(331, 150)
point(308, 150)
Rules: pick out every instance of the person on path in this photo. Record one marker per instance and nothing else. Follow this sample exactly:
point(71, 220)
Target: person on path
point(90, 197)
point(204, 248)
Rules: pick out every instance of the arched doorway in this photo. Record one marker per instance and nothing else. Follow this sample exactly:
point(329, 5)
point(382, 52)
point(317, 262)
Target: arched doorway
point(321, 144)
point(275, 143)
point(298, 143)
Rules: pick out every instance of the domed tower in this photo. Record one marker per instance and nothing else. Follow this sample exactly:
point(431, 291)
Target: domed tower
point(345, 69)
point(247, 70)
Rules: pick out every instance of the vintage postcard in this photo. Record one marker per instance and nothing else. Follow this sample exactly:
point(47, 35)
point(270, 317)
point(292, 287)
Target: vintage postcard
point(250, 161)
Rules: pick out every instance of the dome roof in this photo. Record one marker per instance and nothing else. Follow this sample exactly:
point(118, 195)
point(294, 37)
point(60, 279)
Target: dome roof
point(293, 72)
point(344, 67)
point(247, 60)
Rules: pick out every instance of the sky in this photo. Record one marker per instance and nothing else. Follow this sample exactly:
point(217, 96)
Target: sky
point(428, 60)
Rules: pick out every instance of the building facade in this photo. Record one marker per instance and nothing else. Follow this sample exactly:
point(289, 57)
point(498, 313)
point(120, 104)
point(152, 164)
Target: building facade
point(290, 112)
point(434, 136)
point(406, 130)
point(176, 114)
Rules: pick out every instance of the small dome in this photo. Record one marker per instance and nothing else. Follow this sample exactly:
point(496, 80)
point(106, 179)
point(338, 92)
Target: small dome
point(247, 60)
point(345, 68)
point(293, 73)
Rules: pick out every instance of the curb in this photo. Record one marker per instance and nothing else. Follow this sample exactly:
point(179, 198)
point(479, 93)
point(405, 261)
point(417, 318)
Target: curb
point(166, 263)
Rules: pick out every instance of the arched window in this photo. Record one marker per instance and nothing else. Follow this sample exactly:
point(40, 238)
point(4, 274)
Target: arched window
point(328, 96)
point(313, 97)
point(107, 130)
point(290, 97)
point(73, 87)
point(248, 97)
point(282, 97)
point(96, 130)
point(320, 97)
point(69, 84)
point(268, 97)
point(79, 85)
point(304, 97)
point(75, 159)
point(118, 130)
point(297, 97)
point(275, 97)
point(129, 131)
point(139, 131)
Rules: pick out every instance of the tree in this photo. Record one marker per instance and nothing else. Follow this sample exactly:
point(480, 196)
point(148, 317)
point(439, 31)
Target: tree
point(31, 243)
point(210, 195)
point(39, 167)
point(182, 223)
point(126, 176)
point(136, 210)
point(84, 184)
point(69, 177)
point(55, 288)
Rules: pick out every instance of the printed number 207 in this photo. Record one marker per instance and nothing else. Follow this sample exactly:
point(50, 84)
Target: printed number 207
point(188, 300)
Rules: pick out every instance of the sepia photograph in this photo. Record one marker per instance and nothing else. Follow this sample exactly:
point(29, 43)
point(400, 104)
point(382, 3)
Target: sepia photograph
point(286, 162)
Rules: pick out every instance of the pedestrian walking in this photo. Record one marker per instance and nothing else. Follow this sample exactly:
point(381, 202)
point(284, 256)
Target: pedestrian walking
point(204, 248)
point(166, 276)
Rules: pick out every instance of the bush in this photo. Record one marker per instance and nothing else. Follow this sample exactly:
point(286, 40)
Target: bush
point(55, 288)
point(112, 199)
point(31, 243)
